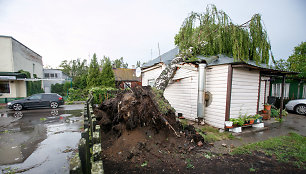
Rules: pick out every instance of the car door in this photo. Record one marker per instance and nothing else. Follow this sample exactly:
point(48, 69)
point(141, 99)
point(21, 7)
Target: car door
point(33, 101)
point(45, 100)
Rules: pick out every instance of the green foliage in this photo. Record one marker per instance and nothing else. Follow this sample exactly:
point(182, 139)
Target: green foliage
point(100, 94)
point(77, 94)
point(290, 149)
point(107, 76)
point(297, 61)
point(238, 121)
point(211, 134)
point(213, 33)
point(77, 70)
point(119, 63)
point(93, 78)
point(163, 104)
point(138, 64)
point(189, 165)
point(60, 89)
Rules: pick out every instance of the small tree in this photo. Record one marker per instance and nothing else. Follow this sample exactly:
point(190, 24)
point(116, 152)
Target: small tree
point(107, 77)
point(93, 78)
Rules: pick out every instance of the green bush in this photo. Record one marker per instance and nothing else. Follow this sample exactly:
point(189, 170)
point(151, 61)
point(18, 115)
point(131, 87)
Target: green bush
point(102, 93)
point(77, 94)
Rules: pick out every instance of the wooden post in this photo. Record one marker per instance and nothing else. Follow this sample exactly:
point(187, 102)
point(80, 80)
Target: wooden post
point(282, 97)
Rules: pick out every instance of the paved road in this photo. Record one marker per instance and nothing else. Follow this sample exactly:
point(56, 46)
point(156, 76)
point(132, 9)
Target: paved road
point(39, 141)
point(293, 123)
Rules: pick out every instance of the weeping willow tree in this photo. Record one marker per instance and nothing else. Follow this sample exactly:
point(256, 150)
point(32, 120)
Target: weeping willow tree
point(213, 33)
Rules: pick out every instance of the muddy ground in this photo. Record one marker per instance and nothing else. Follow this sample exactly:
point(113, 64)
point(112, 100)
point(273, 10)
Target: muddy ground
point(137, 138)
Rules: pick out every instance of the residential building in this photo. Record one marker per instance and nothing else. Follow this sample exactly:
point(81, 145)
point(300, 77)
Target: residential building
point(15, 56)
point(126, 78)
point(53, 76)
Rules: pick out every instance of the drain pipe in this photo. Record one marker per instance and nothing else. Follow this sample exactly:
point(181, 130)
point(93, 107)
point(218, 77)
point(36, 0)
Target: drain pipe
point(201, 92)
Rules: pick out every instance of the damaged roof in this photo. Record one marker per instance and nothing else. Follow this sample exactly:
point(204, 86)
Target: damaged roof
point(164, 58)
point(127, 75)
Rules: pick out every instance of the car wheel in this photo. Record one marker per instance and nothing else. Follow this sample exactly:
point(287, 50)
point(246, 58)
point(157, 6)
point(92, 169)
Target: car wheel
point(54, 105)
point(301, 109)
point(17, 107)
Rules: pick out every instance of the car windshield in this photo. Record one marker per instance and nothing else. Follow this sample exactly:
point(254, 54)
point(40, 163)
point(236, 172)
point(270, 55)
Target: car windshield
point(36, 96)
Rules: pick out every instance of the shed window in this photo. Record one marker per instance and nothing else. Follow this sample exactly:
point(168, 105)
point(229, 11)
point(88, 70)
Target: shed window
point(277, 90)
point(4, 87)
point(151, 82)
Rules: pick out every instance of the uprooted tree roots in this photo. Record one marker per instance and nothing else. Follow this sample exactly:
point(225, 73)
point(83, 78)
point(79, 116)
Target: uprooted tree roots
point(139, 118)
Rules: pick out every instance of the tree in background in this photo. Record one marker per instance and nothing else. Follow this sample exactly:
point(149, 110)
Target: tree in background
point(119, 63)
point(93, 78)
point(138, 64)
point(105, 60)
point(77, 70)
point(281, 64)
point(297, 61)
point(107, 75)
point(61, 89)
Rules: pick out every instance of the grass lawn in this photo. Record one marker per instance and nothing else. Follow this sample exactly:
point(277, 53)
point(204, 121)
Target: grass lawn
point(289, 149)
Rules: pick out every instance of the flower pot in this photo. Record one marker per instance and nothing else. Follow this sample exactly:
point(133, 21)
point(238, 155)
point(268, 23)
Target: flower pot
point(265, 111)
point(251, 121)
point(228, 123)
point(267, 107)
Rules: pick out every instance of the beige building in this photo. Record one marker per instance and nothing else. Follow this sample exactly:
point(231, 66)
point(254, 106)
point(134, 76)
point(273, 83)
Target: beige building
point(14, 56)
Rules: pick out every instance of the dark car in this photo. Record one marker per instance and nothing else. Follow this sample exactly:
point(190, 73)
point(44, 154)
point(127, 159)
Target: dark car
point(37, 101)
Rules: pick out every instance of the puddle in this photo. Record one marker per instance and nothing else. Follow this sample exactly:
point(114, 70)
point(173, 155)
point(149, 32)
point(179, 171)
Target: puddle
point(38, 141)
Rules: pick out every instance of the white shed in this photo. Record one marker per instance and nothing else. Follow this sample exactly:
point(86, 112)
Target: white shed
point(235, 88)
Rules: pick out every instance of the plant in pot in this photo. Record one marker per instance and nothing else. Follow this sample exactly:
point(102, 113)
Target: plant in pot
point(237, 122)
point(267, 106)
point(251, 119)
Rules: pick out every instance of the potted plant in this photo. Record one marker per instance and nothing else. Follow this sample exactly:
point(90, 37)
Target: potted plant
point(267, 106)
point(228, 124)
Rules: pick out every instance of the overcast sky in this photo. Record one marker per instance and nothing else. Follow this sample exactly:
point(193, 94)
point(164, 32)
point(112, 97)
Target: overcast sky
point(70, 29)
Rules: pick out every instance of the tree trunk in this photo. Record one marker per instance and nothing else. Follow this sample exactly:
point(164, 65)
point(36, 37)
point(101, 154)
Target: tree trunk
point(166, 75)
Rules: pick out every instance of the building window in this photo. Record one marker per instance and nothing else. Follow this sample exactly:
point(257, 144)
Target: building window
point(46, 75)
point(55, 75)
point(151, 82)
point(4, 87)
point(304, 91)
point(277, 90)
point(52, 75)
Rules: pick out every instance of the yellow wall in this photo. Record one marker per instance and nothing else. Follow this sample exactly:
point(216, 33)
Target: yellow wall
point(17, 89)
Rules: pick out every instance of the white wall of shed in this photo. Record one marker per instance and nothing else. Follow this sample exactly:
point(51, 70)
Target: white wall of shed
point(153, 73)
point(244, 98)
point(216, 84)
point(182, 92)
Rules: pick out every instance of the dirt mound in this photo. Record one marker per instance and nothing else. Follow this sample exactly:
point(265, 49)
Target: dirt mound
point(139, 125)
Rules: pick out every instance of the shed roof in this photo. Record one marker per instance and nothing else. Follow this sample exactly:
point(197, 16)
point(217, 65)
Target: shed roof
point(218, 60)
point(165, 58)
point(124, 74)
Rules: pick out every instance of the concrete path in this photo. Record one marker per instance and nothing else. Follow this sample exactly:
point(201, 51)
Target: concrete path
point(293, 123)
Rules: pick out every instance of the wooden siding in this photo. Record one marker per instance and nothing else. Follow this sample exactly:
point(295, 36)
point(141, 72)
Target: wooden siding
point(153, 73)
point(182, 92)
point(244, 97)
point(216, 84)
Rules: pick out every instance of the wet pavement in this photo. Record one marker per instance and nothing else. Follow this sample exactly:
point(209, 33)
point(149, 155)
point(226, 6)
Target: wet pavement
point(293, 123)
point(39, 141)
